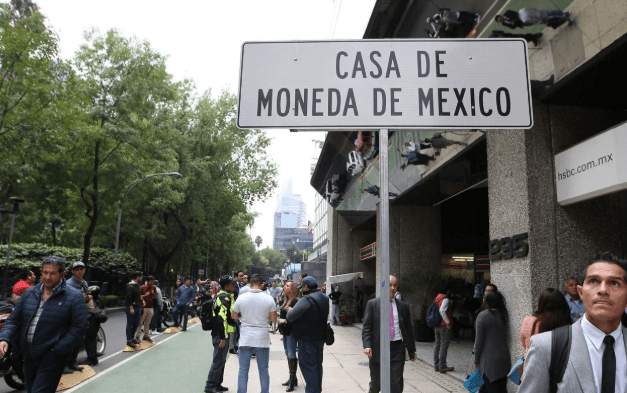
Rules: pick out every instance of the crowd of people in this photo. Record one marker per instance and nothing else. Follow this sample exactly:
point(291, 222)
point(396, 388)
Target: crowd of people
point(53, 317)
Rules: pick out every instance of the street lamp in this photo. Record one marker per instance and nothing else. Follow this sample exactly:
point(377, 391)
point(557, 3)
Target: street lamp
point(117, 233)
point(16, 208)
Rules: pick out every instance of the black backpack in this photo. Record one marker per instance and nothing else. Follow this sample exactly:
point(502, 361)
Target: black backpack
point(434, 319)
point(560, 352)
point(208, 311)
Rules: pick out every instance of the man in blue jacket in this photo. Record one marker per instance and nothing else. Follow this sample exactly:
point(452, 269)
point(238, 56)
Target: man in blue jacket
point(309, 323)
point(50, 320)
point(184, 297)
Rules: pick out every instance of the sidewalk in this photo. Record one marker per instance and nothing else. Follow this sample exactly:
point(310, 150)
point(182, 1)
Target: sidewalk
point(345, 369)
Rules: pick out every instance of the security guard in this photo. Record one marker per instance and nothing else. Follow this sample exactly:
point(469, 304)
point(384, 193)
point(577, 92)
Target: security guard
point(223, 326)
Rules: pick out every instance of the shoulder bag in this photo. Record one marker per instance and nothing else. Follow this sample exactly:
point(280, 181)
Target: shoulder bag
point(329, 336)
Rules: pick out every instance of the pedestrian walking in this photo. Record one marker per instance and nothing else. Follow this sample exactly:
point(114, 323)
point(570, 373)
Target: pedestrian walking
point(223, 327)
point(335, 296)
point(492, 356)
point(596, 361)
point(56, 313)
point(147, 293)
point(552, 312)
point(133, 309)
point(155, 324)
point(255, 309)
point(290, 298)
point(572, 298)
point(401, 338)
point(442, 334)
point(184, 297)
point(309, 323)
point(93, 325)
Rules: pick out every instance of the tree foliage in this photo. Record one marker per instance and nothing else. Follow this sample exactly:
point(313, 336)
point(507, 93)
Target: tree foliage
point(87, 133)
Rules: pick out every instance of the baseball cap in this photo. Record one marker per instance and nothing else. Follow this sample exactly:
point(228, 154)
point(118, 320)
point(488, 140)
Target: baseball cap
point(309, 281)
point(77, 264)
point(226, 280)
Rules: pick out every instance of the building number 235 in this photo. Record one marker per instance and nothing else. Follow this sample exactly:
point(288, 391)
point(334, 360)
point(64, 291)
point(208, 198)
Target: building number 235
point(509, 247)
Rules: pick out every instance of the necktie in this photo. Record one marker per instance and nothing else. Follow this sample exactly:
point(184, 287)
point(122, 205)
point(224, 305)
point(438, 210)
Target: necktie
point(391, 322)
point(608, 375)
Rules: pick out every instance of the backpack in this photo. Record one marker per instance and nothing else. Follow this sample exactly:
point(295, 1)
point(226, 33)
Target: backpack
point(209, 310)
point(560, 352)
point(434, 319)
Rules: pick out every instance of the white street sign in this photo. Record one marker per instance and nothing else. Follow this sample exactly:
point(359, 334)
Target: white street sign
point(373, 84)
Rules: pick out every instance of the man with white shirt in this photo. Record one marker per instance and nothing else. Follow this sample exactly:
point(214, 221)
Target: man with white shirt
point(255, 308)
point(597, 360)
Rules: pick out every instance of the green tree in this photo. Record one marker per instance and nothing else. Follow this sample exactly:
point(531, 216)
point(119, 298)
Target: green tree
point(276, 259)
point(258, 241)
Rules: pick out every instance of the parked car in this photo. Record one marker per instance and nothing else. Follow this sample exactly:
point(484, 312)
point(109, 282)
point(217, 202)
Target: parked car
point(355, 164)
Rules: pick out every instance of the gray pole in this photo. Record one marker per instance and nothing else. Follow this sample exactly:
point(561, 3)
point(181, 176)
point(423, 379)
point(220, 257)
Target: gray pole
point(384, 268)
point(6, 266)
point(117, 233)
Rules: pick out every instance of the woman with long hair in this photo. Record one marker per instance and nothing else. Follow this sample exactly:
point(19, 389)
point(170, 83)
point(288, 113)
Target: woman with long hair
point(290, 298)
point(553, 312)
point(491, 351)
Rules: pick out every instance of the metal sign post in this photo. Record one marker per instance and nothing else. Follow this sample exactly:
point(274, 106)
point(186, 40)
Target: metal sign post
point(384, 268)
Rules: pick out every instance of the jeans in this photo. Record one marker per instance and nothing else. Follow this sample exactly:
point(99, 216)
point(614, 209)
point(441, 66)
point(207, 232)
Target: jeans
point(440, 349)
point(175, 313)
point(289, 344)
point(310, 360)
point(42, 375)
point(335, 314)
point(132, 321)
point(216, 372)
point(263, 355)
point(145, 320)
point(154, 323)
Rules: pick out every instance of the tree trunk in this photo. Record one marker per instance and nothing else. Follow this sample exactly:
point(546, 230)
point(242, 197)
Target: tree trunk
point(93, 218)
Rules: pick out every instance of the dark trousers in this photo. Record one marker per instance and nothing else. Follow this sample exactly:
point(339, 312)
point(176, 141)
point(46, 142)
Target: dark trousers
point(216, 372)
point(397, 366)
point(180, 308)
point(132, 321)
point(310, 360)
point(154, 324)
point(498, 386)
point(42, 375)
point(91, 336)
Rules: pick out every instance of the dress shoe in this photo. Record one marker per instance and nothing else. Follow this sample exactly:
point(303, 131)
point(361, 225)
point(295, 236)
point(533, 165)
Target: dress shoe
point(232, 351)
point(76, 367)
point(131, 344)
point(437, 368)
point(137, 341)
point(445, 369)
point(93, 361)
point(221, 388)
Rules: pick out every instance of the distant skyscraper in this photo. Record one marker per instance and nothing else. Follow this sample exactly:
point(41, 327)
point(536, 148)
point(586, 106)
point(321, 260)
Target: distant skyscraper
point(290, 221)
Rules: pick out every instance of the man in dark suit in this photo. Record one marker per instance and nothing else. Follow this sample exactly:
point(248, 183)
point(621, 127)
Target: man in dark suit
point(401, 337)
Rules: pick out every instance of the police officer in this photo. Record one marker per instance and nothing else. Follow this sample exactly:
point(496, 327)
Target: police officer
point(223, 327)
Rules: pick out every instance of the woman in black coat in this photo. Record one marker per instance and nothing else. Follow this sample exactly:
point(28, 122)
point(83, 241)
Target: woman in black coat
point(491, 351)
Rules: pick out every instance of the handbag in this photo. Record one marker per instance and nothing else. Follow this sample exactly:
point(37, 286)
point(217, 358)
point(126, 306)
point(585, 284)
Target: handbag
point(329, 334)
point(474, 380)
point(515, 374)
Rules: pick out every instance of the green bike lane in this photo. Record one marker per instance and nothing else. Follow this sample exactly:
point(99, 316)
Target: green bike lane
point(178, 363)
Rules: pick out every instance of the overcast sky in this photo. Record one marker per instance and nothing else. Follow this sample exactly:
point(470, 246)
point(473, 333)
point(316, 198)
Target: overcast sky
point(203, 38)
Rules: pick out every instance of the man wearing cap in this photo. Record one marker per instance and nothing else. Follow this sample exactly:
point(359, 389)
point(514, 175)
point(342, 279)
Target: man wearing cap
point(309, 322)
point(49, 321)
point(77, 281)
point(223, 327)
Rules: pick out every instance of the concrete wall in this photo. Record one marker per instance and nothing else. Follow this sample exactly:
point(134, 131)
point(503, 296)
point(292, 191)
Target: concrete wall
point(523, 199)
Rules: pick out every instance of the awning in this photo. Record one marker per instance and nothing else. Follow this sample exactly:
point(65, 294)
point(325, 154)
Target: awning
point(344, 277)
